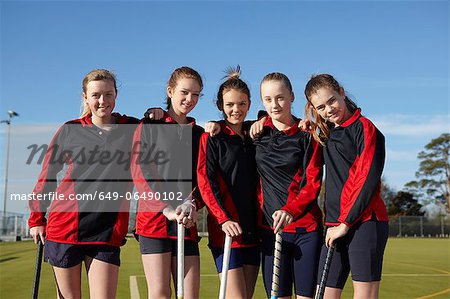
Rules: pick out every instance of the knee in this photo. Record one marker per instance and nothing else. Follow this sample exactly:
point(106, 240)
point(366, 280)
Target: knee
point(155, 291)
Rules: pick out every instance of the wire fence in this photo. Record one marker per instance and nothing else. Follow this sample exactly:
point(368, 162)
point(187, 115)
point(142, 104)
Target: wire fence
point(14, 226)
point(399, 226)
point(419, 226)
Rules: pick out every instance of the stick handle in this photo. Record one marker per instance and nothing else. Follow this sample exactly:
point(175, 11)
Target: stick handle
point(326, 270)
point(225, 265)
point(180, 261)
point(37, 269)
point(276, 266)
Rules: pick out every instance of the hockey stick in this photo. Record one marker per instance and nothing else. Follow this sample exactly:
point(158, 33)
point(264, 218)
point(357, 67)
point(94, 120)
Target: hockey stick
point(276, 267)
point(326, 270)
point(180, 261)
point(225, 265)
point(37, 269)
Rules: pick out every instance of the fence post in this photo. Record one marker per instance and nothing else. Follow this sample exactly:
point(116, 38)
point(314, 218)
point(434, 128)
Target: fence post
point(204, 220)
point(442, 226)
point(15, 225)
point(421, 226)
point(400, 226)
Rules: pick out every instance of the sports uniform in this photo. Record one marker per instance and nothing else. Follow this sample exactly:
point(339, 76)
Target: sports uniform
point(290, 163)
point(85, 160)
point(354, 159)
point(227, 180)
point(177, 177)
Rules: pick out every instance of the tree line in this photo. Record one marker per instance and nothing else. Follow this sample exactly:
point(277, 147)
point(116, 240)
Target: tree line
point(430, 190)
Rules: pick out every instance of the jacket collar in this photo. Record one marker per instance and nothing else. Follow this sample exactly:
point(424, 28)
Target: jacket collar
point(226, 129)
point(352, 119)
point(289, 131)
point(168, 119)
point(120, 119)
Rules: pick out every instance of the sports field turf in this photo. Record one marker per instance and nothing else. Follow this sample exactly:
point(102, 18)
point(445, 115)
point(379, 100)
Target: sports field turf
point(413, 268)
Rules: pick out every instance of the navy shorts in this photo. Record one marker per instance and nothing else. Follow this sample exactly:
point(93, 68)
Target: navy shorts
point(156, 245)
point(360, 251)
point(63, 255)
point(238, 257)
point(299, 261)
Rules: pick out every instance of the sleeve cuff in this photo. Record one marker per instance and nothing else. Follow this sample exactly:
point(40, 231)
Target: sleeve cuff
point(291, 211)
point(345, 222)
point(223, 220)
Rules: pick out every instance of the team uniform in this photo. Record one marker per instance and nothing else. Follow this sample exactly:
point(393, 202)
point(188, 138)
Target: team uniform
point(227, 179)
point(290, 164)
point(172, 180)
point(78, 165)
point(354, 159)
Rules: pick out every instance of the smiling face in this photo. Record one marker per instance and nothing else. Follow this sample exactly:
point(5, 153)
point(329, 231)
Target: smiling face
point(330, 105)
point(184, 96)
point(100, 96)
point(277, 99)
point(235, 106)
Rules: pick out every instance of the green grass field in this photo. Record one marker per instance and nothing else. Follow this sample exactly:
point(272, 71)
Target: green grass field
point(413, 268)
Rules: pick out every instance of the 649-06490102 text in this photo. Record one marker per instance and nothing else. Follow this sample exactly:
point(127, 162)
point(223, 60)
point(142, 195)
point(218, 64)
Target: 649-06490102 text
point(102, 196)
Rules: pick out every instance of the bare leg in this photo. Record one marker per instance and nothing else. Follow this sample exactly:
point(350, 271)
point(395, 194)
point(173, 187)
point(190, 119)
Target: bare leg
point(102, 278)
point(68, 282)
point(157, 273)
point(236, 284)
point(366, 290)
point(251, 275)
point(191, 276)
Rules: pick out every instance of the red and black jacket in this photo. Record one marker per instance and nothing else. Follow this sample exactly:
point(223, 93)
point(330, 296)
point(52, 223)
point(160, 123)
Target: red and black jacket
point(174, 180)
point(289, 163)
point(92, 163)
point(227, 180)
point(354, 159)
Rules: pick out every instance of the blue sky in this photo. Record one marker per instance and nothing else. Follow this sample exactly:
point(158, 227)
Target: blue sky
point(392, 57)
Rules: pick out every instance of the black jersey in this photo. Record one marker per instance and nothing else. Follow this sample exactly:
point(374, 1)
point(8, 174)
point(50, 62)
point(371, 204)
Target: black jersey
point(227, 179)
point(354, 159)
point(290, 164)
point(178, 175)
point(90, 206)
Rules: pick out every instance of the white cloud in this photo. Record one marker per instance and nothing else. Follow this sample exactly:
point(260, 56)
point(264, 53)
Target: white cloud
point(413, 125)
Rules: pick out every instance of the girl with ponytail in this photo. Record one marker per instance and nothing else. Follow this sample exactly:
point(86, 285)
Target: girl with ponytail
point(227, 181)
point(355, 215)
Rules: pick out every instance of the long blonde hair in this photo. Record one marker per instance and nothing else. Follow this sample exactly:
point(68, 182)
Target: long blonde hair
point(278, 77)
point(319, 127)
point(95, 75)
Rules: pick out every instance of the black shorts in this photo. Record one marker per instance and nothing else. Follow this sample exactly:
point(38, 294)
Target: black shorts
point(360, 251)
point(298, 264)
point(238, 257)
point(156, 245)
point(63, 255)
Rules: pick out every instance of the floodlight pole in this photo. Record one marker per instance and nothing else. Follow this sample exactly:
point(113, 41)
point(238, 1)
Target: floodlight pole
point(11, 114)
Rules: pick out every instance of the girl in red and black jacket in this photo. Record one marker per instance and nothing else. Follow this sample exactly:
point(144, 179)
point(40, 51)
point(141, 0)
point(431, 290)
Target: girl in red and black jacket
point(227, 180)
point(164, 172)
point(92, 154)
point(355, 214)
point(289, 163)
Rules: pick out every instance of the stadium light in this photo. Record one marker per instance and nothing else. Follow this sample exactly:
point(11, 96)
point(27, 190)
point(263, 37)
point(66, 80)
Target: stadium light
point(11, 114)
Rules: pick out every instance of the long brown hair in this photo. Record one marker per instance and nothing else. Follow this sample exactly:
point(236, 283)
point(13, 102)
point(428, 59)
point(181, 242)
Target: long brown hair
point(320, 127)
point(181, 73)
